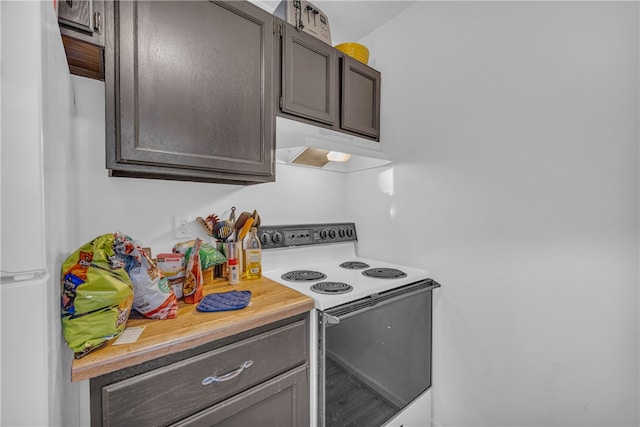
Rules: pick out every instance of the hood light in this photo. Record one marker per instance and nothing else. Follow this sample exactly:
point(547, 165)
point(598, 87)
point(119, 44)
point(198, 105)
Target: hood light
point(336, 156)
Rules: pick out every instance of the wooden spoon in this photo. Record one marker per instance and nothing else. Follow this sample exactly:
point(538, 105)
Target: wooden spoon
point(256, 218)
point(242, 218)
point(204, 226)
point(245, 229)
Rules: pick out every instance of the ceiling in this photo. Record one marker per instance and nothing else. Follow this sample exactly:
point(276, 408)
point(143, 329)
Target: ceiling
point(351, 20)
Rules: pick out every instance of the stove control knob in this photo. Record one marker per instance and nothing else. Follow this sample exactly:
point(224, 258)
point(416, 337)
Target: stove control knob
point(323, 233)
point(350, 232)
point(277, 237)
point(342, 232)
point(332, 234)
point(265, 239)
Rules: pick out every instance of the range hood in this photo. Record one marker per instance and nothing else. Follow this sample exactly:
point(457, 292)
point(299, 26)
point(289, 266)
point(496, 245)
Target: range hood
point(312, 146)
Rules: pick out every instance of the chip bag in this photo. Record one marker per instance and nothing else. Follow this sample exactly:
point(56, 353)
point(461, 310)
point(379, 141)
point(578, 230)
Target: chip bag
point(193, 281)
point(153, 297)
point(96, 296)
point(209, 256)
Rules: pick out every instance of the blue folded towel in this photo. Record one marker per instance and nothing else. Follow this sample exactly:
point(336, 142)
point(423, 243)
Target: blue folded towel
point(225, 301)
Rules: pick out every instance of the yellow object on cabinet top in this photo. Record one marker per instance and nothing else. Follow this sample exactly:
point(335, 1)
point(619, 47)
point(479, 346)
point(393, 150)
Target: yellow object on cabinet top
point(355, 50)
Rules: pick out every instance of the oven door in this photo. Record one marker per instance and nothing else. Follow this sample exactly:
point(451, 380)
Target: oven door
point(374, 356)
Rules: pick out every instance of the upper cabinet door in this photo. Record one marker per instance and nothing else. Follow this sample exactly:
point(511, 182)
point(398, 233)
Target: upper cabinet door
point(360, 95)
point(309, 77)
point(190, 90)
point(81, 25)
point(77, 14)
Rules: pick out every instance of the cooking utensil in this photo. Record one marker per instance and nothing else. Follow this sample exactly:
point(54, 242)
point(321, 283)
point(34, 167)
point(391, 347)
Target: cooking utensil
point(256, 218)
point(245, 229)
point(204, 226)
point(211, 221)
point(222, 230)
point(242, 218)
point(232, 215)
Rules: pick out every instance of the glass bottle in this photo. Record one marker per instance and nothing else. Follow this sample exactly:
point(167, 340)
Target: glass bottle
point(253, 255)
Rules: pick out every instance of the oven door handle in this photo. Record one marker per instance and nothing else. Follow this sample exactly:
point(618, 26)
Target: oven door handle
point(330, 319)
point(374, 301)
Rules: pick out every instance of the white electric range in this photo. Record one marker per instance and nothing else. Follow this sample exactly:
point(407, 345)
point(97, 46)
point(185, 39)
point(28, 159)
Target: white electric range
point(366, 310)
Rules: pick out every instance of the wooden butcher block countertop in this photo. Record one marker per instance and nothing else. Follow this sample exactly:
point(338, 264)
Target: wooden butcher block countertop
point(270, 302)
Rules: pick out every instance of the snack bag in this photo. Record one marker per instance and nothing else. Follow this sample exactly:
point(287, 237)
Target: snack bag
point(172, 266)
point(153, 298)
point(193, 282)
point(96, 296)
point(209, 256)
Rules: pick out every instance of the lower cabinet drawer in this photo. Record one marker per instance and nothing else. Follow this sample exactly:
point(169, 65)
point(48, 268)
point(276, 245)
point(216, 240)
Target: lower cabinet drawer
point(280, 402)
point(173, 392)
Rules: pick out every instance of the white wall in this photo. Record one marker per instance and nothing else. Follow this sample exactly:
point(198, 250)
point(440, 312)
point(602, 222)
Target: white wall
point(515, 130)
point(144, 208)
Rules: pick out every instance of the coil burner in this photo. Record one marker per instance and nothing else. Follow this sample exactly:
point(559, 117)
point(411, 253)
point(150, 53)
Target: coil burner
point(354, 265)
point(331, 288)
point(384, 273)
point(303, 276)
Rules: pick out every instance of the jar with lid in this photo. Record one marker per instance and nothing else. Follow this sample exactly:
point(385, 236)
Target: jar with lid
point(253, 255)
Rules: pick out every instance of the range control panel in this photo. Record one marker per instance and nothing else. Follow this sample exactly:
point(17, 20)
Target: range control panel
point(283, 236)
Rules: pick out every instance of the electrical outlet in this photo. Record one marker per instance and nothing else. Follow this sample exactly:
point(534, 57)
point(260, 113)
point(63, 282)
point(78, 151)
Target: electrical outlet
point(182, 226)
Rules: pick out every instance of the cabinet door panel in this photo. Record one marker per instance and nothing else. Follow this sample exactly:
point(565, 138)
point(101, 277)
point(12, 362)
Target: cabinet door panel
point(175, 391)
point(281, 402)
point(360, 98)
point(193, 87)
point(76, 14)
point(309, 77)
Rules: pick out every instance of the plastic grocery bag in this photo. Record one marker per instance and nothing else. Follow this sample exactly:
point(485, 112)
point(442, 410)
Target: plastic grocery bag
point(153, 297)
point(96, 296)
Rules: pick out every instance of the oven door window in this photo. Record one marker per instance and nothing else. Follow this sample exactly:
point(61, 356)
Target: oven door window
point(375, 360)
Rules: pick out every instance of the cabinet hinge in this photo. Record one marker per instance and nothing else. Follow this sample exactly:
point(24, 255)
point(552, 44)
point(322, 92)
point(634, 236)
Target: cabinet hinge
point(281, 103)
point(280, 30)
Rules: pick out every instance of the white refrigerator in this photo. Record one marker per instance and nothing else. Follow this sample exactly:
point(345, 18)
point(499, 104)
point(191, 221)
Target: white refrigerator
point(36, 124)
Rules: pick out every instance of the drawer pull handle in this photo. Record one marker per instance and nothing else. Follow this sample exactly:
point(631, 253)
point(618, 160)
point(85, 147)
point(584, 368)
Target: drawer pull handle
point(226, 377)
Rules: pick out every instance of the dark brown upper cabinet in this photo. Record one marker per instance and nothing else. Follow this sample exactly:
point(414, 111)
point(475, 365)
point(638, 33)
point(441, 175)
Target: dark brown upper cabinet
point(360, 97)
point(82, 19)
point(82, 27)
point(320, 85)
point(309, 77)
point(189, 91)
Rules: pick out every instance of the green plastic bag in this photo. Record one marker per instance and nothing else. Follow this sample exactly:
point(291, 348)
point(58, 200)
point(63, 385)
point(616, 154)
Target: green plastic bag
point(96, 296)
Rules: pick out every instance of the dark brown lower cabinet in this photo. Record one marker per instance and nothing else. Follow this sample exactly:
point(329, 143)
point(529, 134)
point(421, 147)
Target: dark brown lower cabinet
point(276, 403)
point(260, 378)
